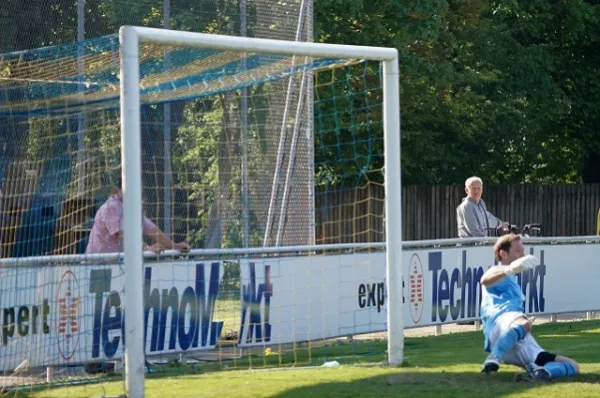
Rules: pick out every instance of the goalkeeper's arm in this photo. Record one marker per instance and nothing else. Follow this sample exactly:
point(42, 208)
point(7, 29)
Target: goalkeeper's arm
point(499, 272)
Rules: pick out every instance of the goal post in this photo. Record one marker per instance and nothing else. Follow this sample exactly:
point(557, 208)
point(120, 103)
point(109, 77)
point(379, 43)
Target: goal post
point(393, 207)
point(130, 40)
point(131, 142)
point(280, 168)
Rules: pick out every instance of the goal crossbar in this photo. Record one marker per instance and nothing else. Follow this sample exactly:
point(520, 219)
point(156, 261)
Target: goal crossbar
point(266, 46)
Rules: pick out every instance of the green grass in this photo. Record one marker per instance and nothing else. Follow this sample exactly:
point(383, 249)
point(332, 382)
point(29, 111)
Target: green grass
point(443, 366)
point(228, 310)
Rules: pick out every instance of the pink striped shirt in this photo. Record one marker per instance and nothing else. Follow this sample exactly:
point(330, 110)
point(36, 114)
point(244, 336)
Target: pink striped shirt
point(105, 236)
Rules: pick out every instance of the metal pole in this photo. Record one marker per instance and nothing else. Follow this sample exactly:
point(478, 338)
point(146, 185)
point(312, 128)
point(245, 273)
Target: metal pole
point(393, 210)
point(291, 161)
point(282, 137)
point(80, 117)
point(265, 46)
point(167, 138)
point(132, 212)
point(310, 134)
point(306, 77)
point(244, 123)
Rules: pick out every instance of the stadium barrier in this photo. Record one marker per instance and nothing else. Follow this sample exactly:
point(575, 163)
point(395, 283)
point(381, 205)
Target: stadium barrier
point(61, 310)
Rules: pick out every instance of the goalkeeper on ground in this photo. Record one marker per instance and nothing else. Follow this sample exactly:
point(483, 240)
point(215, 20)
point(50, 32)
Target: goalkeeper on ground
point(506, 328)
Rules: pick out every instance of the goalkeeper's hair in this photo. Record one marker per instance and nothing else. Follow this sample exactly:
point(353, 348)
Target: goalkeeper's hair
point(504, 243)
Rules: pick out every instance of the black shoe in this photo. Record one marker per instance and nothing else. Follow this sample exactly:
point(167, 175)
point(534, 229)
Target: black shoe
point(491, 364)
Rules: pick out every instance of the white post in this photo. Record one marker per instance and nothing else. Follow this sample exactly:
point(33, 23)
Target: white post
point(50, 374)
point(310, 138)
point(167, 139)
point(244, 126)
point(81, 183)
point(393, 210)
point(132, 197)
point(292, 157)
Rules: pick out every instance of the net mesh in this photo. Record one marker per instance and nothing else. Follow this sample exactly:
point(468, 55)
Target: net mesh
point(53, 22)
point(48, 81)
point(290, 146)
point(47, 103)
point(59, 108)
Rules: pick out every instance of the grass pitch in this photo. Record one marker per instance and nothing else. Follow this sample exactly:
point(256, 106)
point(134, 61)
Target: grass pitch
point(442, 366)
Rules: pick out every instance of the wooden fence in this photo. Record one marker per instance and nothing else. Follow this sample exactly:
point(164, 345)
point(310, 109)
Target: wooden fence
point(429, 211)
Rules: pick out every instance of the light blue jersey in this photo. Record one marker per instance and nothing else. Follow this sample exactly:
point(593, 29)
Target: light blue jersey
point(504, 296)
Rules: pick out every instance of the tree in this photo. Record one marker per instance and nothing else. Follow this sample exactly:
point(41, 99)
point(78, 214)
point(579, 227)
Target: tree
point(504, 90)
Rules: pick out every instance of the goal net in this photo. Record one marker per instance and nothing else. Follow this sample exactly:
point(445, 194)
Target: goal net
point(285, 208)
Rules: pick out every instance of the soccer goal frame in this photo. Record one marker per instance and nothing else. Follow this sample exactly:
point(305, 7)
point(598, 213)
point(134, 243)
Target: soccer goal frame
point(130, 38)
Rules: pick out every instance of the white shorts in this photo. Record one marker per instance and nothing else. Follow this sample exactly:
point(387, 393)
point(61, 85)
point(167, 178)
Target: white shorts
point(526, 351)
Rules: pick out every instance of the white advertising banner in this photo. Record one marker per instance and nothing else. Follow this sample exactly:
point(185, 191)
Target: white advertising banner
point(73, 313)
point(307, 298)
point(70, 314)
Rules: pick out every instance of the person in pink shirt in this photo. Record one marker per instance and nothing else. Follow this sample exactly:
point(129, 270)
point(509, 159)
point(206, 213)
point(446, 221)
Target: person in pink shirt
point(107, 233)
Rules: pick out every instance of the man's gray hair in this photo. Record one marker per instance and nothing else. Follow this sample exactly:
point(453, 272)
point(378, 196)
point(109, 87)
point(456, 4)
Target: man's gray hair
point(471, 180)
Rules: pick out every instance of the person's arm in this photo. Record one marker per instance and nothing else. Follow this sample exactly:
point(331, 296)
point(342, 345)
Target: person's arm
point(115, 224)
point(494, 221)
point(499, 272)
point(493, 275)
point(163, 240)
point(466, 214)
point(159, 237)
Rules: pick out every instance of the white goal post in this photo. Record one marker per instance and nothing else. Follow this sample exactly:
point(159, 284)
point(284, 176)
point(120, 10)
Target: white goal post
point(130, 38)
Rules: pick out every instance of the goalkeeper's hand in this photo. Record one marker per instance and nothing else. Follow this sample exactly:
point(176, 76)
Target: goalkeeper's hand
point(522, 264)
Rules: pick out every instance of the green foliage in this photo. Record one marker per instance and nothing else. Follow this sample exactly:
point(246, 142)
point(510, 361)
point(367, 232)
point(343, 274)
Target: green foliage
point(42, 132)
point(231, 276)
point(209, 16)
point(206, 158)
point(504, 90)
